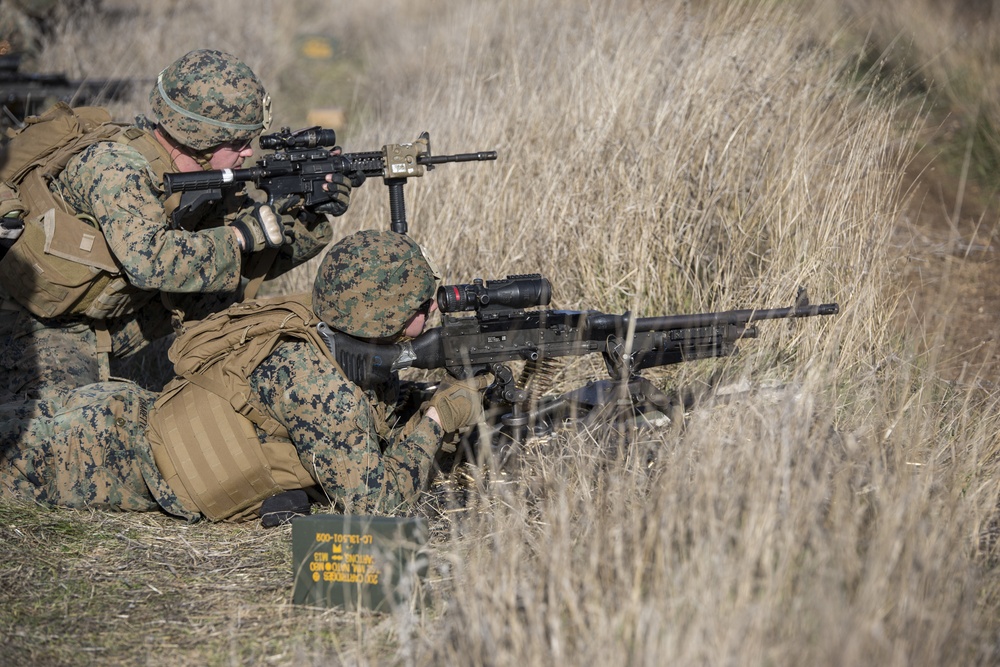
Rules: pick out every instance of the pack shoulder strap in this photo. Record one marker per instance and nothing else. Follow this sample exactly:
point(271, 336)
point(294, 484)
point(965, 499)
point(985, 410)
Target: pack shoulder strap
point(219, 353)
point(241, 327)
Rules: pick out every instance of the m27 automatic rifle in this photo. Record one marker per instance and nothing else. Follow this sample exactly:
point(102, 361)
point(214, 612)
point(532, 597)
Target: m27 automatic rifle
point(298, 167)
point(504, 330)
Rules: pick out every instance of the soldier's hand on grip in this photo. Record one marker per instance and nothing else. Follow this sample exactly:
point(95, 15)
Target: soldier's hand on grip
point(459, 403)
point(339, 188)
point(260, 228)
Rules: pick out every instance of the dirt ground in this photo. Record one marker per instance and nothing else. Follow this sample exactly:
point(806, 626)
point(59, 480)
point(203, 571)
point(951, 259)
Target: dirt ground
point(949, 257)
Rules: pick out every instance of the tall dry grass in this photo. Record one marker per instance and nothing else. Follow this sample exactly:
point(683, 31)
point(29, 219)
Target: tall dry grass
point(669, 157)
point(949, 54)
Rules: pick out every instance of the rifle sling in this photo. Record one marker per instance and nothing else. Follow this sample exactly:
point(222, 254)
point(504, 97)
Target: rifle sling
point(257, 269)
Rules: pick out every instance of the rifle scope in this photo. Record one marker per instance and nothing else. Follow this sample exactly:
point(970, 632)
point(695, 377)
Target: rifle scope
point(311, 137)
point(522, 291)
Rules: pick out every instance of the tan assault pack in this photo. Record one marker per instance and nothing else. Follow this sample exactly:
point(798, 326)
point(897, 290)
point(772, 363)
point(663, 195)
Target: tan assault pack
point(202, 426)
point(61, 264)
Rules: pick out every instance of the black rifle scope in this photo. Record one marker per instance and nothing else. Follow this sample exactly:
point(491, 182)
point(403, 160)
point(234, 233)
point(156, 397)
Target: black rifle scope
point(310, 137)
point(523, 291)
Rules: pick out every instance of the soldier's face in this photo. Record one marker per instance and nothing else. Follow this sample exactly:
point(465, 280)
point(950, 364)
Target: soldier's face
point(231, 156)
point(416, 324)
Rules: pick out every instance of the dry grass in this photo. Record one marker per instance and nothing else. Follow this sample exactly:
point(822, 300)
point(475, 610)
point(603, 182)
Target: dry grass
point(948, 54)
point(655, 156)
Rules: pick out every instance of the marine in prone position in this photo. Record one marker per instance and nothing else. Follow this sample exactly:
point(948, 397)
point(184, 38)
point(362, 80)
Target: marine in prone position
point(259, 408)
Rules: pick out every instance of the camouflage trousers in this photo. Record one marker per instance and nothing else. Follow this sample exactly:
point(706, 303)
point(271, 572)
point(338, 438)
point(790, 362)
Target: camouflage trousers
point(42, 361)
point(45, 359)
point(89, 451)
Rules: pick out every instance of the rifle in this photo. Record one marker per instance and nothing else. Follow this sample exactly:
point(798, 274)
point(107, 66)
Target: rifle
point(23, 94)
point(298, 167)
point(504, 331)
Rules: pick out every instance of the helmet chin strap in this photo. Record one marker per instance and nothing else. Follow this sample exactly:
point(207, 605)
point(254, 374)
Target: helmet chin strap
point(204, 159)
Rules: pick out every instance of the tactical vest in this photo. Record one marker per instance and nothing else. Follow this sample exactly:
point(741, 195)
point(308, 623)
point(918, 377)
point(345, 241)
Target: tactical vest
point(201, 428)
point(61, 264)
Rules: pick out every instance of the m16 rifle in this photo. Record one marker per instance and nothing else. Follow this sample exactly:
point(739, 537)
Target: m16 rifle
point(298, 167)
point(503, 330)
point(24, 94)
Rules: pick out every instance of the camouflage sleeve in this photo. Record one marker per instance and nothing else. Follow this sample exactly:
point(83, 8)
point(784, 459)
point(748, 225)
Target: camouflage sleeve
point(331, 422)
point(112, 183)
point(310, 238)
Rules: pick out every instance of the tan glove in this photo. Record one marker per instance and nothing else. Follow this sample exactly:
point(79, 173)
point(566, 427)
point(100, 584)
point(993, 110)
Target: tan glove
point(259, 227)
point(459, 403)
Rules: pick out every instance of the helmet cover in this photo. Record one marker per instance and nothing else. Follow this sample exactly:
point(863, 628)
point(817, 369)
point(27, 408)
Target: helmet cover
point(207, 98)
point(372, 283)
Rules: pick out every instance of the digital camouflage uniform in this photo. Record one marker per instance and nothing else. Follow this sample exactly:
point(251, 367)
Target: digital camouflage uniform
point(199, 267)
point(93, 450)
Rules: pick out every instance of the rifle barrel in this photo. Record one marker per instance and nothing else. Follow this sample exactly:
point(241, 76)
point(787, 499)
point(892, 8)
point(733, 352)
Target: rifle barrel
point(481, 156)
point(600, 321)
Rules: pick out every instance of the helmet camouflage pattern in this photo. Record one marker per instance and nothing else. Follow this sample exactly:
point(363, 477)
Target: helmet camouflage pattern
point(371, 283)
point(207, 98)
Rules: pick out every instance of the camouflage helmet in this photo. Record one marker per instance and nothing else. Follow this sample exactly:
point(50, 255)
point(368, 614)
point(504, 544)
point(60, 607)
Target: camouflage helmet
point(371, 283)
point(208, 98)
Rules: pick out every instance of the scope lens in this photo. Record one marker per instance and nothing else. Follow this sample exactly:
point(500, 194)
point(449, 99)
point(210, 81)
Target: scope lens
point(456, 298)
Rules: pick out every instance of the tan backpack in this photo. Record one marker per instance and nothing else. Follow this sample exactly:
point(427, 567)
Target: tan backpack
point(201, 428)
point(60, 264)
point(51, 139)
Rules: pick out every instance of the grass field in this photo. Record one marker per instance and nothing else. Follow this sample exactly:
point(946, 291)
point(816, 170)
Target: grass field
point(658, 157)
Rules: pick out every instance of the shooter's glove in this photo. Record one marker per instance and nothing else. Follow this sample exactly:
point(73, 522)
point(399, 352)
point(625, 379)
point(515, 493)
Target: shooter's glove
point(260, 228)
point(287, 205)
point(339, 189)
point(459, 403)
